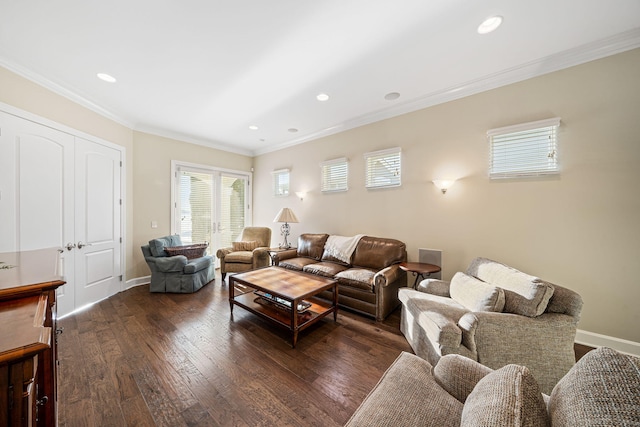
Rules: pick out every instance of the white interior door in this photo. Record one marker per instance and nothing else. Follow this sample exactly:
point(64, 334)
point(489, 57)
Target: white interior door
point(97, 219)
point(59, 190)
point(36, 204)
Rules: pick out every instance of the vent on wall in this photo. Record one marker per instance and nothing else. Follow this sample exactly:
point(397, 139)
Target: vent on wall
point(431, 256)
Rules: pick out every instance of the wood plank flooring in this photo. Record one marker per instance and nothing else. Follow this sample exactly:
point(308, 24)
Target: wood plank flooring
point(142, 359)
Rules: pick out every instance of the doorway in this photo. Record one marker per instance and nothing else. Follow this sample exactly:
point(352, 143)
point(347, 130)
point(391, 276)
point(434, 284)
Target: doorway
point(210, 204)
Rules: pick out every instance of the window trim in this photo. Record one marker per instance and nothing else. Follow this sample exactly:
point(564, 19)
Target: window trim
point(504, 135)
point(326, 177)
point(370, 176)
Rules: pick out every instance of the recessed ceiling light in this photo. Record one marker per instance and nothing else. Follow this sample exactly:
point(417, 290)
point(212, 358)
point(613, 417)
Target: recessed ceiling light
point(106, 77)
point(322, 97)
point(292, 130)
point(253, 127)
point(490, 24)
point(391, 96)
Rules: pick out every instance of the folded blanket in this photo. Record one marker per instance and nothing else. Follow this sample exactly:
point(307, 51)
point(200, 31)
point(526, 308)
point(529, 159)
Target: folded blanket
point(341, 247)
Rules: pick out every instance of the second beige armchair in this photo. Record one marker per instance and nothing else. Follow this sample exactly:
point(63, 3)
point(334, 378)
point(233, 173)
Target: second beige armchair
point(248, 253)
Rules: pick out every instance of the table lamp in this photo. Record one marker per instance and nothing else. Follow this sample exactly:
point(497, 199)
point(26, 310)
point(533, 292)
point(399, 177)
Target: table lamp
point(285, 215)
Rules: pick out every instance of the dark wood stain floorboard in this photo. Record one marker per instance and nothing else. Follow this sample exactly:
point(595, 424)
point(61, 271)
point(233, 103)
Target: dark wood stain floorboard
point(143, 359)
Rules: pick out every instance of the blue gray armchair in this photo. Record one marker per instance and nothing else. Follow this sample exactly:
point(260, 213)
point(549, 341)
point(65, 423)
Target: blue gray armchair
point(176, 274)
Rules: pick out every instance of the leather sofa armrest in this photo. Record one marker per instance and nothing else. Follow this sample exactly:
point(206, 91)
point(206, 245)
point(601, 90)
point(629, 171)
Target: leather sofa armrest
point(289, 253)
point(387, 275)
point(435, 287)
point(171, 264)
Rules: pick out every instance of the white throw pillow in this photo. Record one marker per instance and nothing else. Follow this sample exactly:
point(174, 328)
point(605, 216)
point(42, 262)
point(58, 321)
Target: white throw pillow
point(475, 294)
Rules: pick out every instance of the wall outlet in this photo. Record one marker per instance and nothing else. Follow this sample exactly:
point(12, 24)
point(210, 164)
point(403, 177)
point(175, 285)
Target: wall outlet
point(154, 224)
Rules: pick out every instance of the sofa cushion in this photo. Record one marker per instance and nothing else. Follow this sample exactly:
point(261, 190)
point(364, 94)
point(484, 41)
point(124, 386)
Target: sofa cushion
point(378, 253)
point(244, 257)
point(360, 278)
point(602, 389)
point(245, 246)
point(458, 375)
point(509, 396)
point(407, 395)
point(524, 294)
point(311, 245)
point(296, 263)
point(475, 294)
point(157, 245)
point(326, 269)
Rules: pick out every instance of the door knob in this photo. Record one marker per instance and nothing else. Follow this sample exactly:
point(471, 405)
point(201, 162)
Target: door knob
point(70, 246)
point(82, 245)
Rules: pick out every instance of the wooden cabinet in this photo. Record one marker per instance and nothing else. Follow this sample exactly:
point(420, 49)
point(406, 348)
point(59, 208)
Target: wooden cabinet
point(28, 353)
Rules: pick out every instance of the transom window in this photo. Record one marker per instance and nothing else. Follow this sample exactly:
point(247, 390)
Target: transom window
point(280, 182)
point(383, 168)
point(334, 175)
point(525, 150)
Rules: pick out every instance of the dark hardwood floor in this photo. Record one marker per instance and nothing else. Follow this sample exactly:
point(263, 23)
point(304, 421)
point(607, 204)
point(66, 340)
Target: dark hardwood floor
point(178, 360)
point(142, 359)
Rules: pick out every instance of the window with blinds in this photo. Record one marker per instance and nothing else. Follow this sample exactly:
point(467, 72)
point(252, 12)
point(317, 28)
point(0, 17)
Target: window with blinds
point(334, 175)
point(525, 150)
point(196, 206)
point(383, 168)
point(280, 182)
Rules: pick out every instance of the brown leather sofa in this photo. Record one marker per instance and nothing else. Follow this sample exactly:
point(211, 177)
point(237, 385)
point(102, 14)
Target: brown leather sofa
point(368, 283)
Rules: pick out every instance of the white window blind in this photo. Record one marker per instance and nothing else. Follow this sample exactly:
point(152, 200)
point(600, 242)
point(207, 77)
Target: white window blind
point(280, 182)
point(196, 206)
point(334, 175)
point(528, 149)
point(383, 168)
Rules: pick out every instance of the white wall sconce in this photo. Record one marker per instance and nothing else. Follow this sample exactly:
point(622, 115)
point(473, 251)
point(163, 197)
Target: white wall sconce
point(301, 194)
point(444, 184)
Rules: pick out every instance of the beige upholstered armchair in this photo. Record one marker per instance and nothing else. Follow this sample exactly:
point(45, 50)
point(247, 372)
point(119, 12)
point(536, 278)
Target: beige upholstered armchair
point(496, 315)
point(248, 253)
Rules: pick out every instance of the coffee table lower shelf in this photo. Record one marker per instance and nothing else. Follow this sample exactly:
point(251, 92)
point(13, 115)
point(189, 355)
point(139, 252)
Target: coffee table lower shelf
point(242, 294)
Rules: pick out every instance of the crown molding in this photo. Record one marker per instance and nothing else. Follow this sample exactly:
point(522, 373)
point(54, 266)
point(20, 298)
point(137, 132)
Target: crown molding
point(62, 91)
point(585, 53)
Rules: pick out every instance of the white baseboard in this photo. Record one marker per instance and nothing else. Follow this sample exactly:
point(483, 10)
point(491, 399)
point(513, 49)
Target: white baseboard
point(131, 283)
point(597, 340)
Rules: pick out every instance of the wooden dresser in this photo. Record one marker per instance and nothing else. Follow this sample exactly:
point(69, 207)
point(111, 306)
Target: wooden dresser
point(28, 354)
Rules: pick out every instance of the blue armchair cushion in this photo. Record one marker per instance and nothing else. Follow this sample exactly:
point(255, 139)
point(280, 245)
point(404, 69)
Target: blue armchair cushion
point(157, 245)
point(198, 264)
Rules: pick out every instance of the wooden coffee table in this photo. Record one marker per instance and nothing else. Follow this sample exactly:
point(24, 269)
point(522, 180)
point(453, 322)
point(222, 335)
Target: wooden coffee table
point(270, 293)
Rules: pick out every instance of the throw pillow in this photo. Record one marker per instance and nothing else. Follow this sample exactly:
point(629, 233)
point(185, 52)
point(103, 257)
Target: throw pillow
point(523, 294)
point(244, 246)
point(458, 375)
point(507, 397)
point(602, 389)
point(475, 294)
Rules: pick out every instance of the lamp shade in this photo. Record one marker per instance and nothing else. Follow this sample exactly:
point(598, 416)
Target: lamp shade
point(285, 215)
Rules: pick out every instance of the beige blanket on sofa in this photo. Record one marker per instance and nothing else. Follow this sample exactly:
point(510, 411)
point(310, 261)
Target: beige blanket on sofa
point(341, 247)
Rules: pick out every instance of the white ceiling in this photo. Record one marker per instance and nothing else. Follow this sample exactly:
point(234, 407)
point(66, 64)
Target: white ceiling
point(205, 70)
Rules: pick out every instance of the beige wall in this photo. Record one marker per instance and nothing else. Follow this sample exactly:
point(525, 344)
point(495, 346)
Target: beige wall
point(152, 188)
point(28, 96)
point(580, 230)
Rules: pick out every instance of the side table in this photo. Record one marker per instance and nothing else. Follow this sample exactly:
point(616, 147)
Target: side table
point(419, 269)
point(273, 253)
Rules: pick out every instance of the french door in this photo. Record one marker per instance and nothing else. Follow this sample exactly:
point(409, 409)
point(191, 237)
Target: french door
point(210, 205)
